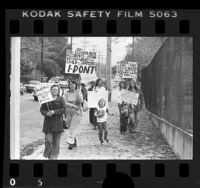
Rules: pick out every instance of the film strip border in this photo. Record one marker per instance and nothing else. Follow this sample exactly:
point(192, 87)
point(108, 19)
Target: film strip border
point(37, 173)
point(86, 168)
point(162, 23)
point(87, 27)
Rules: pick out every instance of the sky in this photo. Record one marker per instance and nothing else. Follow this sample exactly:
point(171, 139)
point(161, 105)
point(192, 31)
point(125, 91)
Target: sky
point(99, 44)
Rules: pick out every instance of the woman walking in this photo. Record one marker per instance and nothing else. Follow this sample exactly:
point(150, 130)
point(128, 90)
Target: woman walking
point(134, 109)
point(99, 86)
point(53, 123)
point(73, 113)
point(92, 110)
point(123, 117)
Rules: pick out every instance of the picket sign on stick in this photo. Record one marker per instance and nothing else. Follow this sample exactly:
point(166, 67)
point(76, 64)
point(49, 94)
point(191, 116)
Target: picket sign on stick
point(130, 97)
point(44, 94)
point(127, 69)
point(94, 97)
point(81, 62)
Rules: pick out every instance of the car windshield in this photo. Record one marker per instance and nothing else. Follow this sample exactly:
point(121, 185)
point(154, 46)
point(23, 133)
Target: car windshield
point(34, 82)
point(56, 79)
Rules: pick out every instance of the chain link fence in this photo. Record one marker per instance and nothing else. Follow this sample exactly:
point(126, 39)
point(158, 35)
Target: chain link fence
point(167, 83)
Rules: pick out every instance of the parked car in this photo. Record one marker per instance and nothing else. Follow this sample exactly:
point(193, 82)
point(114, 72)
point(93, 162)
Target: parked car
point(22, 89)
point(30, 87)
point(63, 83)
point(44, 79)
point(55, 79)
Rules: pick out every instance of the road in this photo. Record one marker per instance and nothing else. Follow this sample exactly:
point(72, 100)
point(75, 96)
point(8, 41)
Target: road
point(30, 120)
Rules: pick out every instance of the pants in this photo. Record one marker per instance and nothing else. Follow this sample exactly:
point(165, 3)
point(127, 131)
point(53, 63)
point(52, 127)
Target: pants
point(123, 121)
point(133, 119)
point(93, 118)
point(102, 127)
point(52, 145)
point(73, 130)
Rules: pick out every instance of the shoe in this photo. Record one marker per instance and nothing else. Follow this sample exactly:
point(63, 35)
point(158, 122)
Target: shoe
point(108, 141)
point(102, 143)
point(75, 143)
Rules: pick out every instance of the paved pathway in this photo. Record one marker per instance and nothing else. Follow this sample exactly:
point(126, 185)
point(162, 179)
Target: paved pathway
point(147, 144)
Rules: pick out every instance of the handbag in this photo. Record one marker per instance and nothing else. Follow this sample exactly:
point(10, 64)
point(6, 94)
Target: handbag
point(66, 122)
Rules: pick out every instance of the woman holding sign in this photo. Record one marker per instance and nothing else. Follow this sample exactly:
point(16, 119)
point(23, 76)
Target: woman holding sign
point(134, 109)
point(122, 116)
point(73, 113)
point(53, 123)
point(99, 85)
point(92, 110)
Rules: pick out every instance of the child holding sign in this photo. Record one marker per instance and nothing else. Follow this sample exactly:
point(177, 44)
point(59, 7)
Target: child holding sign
point(101, 114)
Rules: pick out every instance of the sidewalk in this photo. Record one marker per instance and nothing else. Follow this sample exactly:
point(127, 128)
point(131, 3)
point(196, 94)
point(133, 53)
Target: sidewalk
point(147, 144)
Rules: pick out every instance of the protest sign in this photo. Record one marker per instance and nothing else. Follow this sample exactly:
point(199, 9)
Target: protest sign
point(127, 69)
point(81, 62)
point(130, 97)
point(94, 97)
point(79, 69)
point(44, 94)
point(88, 78)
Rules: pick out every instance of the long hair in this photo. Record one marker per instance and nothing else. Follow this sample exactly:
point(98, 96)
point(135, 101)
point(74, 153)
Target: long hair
point(97, 82)
point(133, 87)
point(73, 82)
point(127, 84)
point(120, 87)
point(103, 100)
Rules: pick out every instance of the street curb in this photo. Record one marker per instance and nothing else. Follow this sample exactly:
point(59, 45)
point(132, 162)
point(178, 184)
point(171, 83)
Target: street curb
point(35, 153)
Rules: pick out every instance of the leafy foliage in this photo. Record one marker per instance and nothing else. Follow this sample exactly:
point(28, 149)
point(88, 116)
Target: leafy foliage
point(143, 50)
point(53, 55)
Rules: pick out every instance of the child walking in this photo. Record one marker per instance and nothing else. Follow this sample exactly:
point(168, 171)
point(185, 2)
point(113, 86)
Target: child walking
point(101, 113)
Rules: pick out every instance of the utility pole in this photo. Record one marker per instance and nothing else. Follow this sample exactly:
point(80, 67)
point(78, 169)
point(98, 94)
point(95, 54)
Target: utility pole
point(85, 43)
point(94, 48)
point(108, 66)
point(71, 43)
point(133, 47)
point(42, 51)
point(98, 68)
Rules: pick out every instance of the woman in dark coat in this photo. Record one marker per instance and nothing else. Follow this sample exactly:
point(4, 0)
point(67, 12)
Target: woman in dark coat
point(53, 123)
